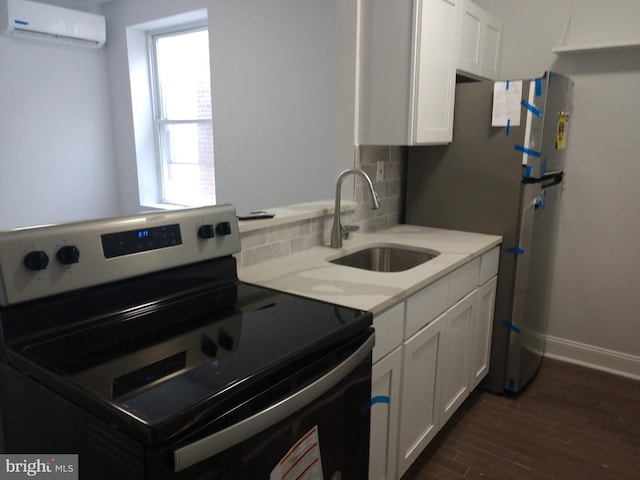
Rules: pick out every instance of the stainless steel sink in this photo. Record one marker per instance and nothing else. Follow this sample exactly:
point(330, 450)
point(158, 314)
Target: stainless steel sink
point(385, 258)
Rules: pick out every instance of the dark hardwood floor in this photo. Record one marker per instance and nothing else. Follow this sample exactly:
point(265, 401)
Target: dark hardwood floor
point(570, 423)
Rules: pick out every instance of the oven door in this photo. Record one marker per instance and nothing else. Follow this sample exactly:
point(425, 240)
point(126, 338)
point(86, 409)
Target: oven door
point(318, 432)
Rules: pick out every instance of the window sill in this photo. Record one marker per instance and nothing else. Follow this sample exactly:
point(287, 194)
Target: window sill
point(295, 213)
point(161, 206)
point(282, 215)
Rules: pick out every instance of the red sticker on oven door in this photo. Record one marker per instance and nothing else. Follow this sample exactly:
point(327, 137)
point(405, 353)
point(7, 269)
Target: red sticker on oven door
point(302, 461)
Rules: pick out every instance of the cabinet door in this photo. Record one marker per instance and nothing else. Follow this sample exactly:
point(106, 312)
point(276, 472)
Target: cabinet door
point(385, 407)
point(420, 400)
point(407, 63)
point(470, 35)
point(490, 45)
point(454, 357)
point(480, 338)
point(435, 61)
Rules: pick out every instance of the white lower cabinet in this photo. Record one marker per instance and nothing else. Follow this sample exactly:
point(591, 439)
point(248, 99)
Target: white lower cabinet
point(385, 393)
point(435, 378)
point(428, 372)
point(385, 407)
point(420, 401)
point(453, 360)
point(481, 329)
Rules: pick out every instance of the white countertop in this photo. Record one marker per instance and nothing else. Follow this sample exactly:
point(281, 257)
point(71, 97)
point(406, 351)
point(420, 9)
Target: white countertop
point(308, 273)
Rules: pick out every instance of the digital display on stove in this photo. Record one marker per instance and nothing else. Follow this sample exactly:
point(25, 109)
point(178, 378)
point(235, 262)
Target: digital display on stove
point(140, 240)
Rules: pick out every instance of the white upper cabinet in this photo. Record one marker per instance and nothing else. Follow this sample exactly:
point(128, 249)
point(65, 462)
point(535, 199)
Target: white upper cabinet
point(480, 41)
point(470, 35)
point(491, 42)
point(407, 65)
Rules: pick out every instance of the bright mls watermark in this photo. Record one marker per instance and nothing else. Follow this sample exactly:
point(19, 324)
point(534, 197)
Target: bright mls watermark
point(51, 467)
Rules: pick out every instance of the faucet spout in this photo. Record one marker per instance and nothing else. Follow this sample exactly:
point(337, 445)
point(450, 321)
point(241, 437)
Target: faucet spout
point(337, 231)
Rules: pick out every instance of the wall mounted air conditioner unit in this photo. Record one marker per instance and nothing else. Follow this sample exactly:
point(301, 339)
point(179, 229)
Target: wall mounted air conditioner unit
point(52, 23)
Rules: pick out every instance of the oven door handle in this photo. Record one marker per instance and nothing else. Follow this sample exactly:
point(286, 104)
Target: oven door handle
point(185, 457)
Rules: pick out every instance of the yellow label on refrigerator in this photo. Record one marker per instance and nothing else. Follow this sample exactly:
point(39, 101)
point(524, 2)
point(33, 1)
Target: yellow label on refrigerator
point(563, 127)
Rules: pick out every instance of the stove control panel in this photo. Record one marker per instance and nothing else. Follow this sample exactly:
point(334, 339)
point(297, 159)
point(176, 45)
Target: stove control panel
point(37, 262)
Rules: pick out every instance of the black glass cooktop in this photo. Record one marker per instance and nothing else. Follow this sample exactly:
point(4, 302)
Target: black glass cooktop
point(155, 361)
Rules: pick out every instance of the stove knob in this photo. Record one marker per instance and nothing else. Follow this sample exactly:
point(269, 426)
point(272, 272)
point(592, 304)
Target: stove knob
point(223, 228)
point(36, 260)
point(68, 254)
point(206, 231)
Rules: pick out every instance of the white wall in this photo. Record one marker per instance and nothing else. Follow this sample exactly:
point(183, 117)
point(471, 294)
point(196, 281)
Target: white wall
point(281, 96)
point(56, 157)
point(66, 125)
point(274, 115)
point(595, 304)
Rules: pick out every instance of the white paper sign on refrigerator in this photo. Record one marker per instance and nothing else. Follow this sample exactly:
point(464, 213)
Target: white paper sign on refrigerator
point(506, 104)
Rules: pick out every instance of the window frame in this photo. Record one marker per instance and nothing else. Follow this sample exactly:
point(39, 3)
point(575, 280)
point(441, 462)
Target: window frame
point(159, 120)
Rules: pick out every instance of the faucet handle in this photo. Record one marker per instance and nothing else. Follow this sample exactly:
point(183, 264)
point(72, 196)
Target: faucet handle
point(348, 230)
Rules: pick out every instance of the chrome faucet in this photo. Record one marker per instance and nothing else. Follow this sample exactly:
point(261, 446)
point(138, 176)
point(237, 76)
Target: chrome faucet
point(338, 232)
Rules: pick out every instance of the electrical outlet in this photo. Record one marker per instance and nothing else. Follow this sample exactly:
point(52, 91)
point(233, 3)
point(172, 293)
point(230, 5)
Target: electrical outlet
point(380, 171)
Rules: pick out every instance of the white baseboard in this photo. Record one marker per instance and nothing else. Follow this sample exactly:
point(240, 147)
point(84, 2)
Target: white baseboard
point(597, 358)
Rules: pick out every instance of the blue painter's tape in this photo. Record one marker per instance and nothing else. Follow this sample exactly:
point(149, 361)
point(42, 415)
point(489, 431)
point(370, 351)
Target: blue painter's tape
point(544, 166)
point(511, 384)
point(373, 401)
point(531, 108)
point(21, 22)
point(380, 399)
point(538, 87)
point(508, 126)
point(507, 84)
point(516, 250)
point(510, 326)
point(528, 151)
point(527, 171)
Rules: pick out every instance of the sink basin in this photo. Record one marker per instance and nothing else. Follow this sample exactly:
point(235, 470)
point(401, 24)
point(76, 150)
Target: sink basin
point(385, 258)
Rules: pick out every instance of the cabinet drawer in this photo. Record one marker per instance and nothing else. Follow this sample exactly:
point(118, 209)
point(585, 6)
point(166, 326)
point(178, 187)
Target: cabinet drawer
point(463, 280)
point(388, 326)
point(489, 265)
point(426, 305)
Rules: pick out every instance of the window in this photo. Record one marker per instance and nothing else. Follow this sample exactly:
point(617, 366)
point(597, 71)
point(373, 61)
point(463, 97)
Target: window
point(181, 91)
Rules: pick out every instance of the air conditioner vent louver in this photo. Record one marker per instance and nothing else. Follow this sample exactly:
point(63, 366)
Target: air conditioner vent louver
point(51, 37)
point(51, 23)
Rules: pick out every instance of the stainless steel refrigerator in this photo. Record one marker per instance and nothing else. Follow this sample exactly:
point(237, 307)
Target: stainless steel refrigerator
point(503, 180)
